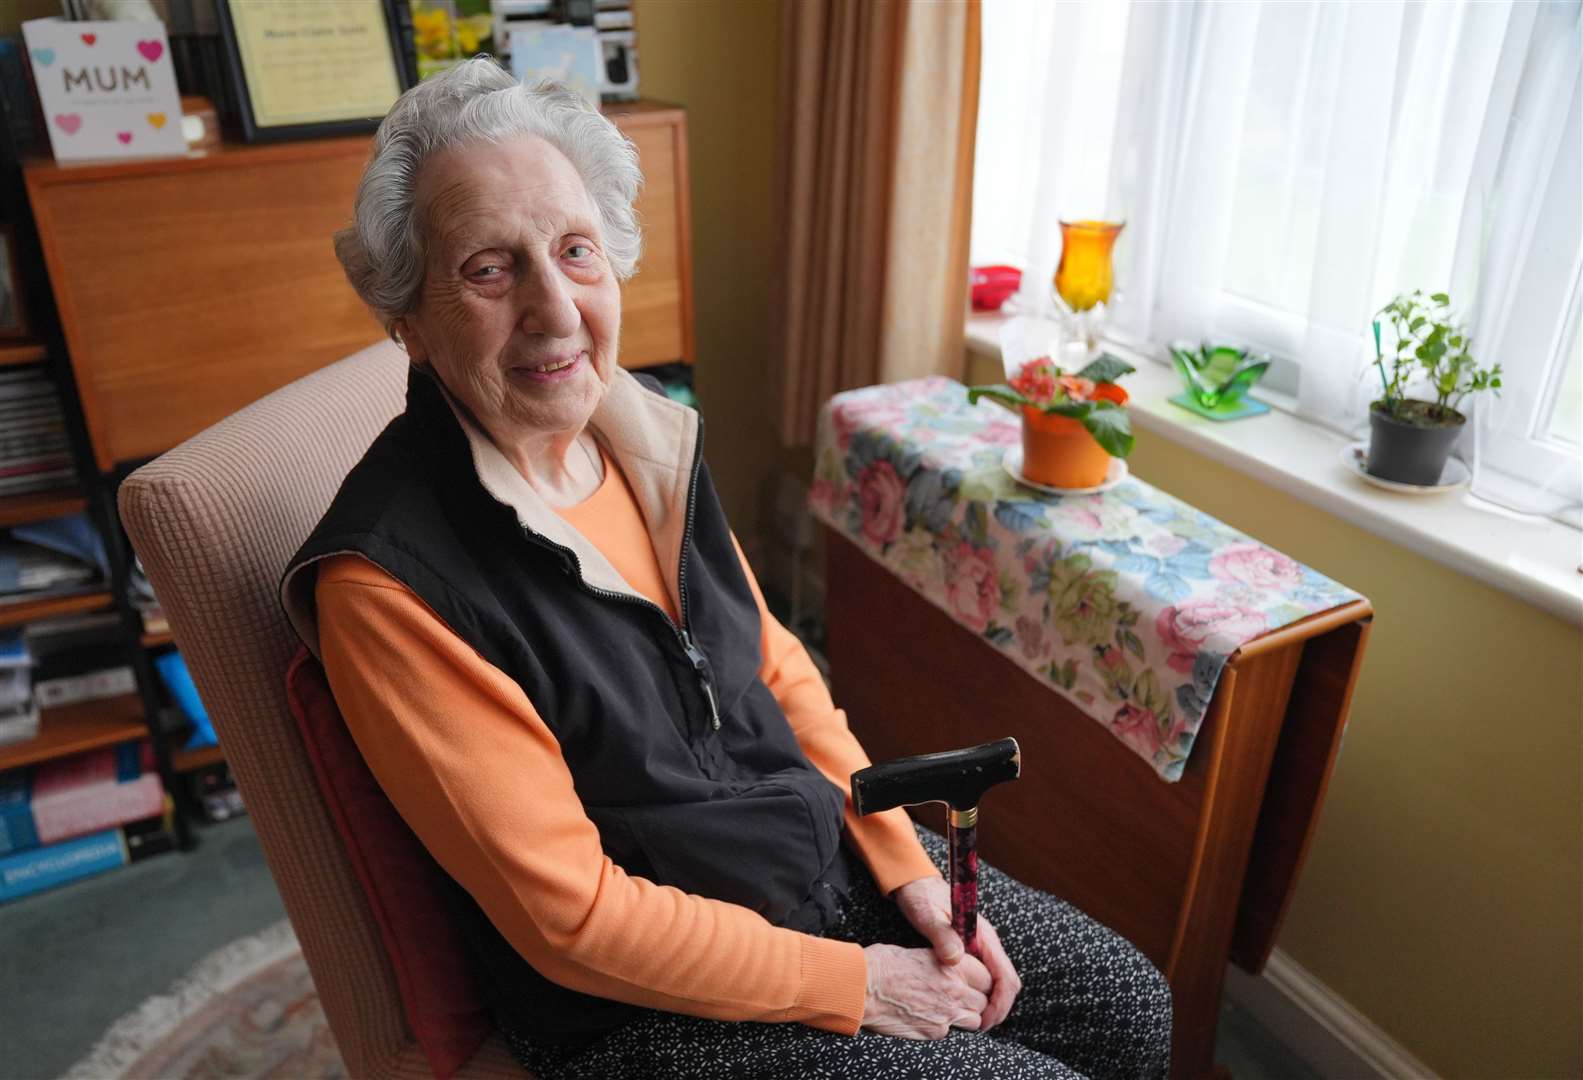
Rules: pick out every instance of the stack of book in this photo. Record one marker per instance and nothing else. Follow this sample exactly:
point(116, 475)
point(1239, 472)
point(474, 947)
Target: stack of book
point(79, 816)
point(51, 558)
point(34, 452)
point(78, 658)
point(18, 707)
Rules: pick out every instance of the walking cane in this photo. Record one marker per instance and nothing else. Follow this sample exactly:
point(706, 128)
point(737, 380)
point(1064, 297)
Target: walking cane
point(959, 779)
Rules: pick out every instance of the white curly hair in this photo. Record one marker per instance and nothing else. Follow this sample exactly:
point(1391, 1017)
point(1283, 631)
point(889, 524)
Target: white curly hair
point(383, 252)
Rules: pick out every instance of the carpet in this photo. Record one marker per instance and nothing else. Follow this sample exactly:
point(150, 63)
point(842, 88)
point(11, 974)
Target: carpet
point(247, 1010)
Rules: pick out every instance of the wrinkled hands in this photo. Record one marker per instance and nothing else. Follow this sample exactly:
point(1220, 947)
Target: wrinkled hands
point(923, 993)
point(911, 995)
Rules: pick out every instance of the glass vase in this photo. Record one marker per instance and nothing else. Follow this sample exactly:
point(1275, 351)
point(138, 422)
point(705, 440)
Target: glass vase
point(1084, 275)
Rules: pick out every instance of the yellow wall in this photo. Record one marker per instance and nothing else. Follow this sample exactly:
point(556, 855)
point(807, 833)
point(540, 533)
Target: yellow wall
point(1444, 894)
point(721, 60)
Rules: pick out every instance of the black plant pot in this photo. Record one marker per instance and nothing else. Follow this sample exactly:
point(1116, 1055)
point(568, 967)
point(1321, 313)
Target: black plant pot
point(1410, 453)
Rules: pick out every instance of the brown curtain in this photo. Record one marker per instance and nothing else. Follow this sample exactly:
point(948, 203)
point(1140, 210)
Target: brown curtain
point(879, 107)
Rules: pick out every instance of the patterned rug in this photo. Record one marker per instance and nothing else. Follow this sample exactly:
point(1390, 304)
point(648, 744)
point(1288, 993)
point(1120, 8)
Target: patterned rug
point(247, 1010)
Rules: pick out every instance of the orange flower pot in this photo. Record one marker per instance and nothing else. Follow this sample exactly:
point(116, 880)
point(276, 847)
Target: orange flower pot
point(1059, 452)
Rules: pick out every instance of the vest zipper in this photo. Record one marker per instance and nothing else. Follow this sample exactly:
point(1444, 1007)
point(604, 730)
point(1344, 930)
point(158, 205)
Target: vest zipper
point(700, 664)
point(695, 655)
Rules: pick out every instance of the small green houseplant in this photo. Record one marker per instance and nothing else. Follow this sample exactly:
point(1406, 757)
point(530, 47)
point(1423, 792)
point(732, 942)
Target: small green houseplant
point(1411, 437)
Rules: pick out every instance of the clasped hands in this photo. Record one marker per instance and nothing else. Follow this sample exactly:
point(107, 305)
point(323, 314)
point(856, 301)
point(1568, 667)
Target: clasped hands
point(924, 993)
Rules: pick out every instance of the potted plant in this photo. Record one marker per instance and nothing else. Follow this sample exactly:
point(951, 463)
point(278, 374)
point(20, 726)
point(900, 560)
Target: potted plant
point(1410, 438)
point(1072, 425)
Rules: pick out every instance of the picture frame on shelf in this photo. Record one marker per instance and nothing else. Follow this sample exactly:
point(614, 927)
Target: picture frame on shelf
point(446, 32)
point(305, 70)
point(569, 55)
point(13, 310)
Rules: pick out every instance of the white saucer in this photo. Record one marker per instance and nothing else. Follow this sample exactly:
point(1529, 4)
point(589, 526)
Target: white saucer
point(1454, 477)
point(1012, 463)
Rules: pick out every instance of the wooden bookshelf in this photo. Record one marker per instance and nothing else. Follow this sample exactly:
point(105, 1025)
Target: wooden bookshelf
point(71, 729)
point(40, 506)
point(26, 611)
point(154, 639)
point(185, 761)
point(21, 352)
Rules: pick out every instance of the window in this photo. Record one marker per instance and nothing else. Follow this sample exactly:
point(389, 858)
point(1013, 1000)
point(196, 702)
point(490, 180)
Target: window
point(1285, 169)
point(1565, 428)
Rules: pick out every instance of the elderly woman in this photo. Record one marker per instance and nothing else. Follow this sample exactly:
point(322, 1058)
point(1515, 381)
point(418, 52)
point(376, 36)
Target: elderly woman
point(557, 663)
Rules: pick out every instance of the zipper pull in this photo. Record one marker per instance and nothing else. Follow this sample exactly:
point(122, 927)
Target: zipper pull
point(700, 664)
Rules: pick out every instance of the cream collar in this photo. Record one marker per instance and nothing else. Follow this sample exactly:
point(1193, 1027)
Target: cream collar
point(652, 439)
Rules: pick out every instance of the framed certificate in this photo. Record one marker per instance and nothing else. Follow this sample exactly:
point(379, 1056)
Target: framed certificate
point(311, 67)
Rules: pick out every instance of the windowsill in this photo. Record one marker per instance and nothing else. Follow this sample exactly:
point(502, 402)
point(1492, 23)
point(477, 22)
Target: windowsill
point(1534, 559)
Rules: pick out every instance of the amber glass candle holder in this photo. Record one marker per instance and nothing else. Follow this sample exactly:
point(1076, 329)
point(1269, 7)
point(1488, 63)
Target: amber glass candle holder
point(1083, 277)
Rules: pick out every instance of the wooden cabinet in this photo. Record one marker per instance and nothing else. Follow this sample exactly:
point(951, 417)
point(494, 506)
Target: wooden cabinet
point(189, 287)
point(1195, 873)
point(657, 303)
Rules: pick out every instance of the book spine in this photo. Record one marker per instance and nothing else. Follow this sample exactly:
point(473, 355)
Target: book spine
point(28, 872)
point(16, 829)
point(93, 686)
point(26, 391)
point(29, 407)
point(34, 425)
point(36, 465)
point(98, 806)
point(20, 723)
point(129, 758)
point(15, 485)
point(31, 443)
point(16, 813)
point(63, 775)
point(29, 435)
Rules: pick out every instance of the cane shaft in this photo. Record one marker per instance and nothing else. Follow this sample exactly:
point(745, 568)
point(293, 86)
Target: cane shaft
point(963, 837)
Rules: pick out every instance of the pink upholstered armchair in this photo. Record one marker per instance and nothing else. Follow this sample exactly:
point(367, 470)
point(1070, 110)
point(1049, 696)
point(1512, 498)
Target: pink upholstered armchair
point(214, 522)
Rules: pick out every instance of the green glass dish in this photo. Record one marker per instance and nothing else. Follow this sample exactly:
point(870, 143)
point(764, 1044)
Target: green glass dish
point(1217, 376)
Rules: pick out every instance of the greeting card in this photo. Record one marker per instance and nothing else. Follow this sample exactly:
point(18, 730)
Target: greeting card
point(108, 89)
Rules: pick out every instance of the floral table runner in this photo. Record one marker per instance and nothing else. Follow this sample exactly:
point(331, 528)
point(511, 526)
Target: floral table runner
point(1128, 602)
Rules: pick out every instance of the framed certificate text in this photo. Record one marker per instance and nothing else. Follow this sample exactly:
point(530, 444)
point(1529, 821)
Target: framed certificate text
point(311, 67)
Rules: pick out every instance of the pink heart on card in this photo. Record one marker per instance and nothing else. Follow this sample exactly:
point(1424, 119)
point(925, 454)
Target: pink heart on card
point(89, 39)
point(151, 50)
point(68, 122)
point(124, 136)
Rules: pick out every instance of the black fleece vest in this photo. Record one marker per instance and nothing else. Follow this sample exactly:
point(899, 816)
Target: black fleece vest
point(681, 756)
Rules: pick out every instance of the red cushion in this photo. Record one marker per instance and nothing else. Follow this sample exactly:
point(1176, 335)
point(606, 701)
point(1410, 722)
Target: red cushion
point(400, 879)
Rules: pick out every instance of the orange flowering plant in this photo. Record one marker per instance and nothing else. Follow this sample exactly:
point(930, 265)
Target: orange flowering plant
point(1091, 397)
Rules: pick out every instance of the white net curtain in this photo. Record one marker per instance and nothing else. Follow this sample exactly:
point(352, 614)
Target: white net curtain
point(1285, 169)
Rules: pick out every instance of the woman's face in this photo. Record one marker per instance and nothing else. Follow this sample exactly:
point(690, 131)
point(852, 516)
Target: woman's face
point(520, 313)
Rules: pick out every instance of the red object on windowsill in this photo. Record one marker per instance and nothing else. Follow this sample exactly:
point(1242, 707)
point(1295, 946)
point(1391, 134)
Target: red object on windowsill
point(992, 285)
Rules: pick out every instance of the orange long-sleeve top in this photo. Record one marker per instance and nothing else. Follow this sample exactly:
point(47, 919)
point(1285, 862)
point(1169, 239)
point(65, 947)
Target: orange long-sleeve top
point(478, 776)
